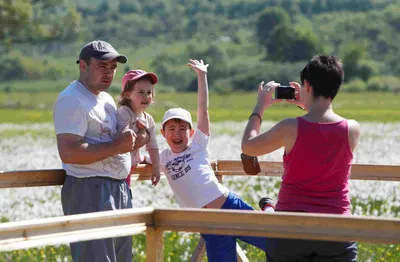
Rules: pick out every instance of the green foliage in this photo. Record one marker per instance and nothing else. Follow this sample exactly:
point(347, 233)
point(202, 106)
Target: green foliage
point(15, 16)
point(17, 66)
point(248, 77)
point(37, 21)
point(270, 18)
point(226, 34)
point(48, 253)
point(383, 83)
point(293, 44)
point(354, 86)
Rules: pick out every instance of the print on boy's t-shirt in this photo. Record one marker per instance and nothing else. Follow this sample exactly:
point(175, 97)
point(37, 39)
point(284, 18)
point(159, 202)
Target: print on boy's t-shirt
point(177, 167)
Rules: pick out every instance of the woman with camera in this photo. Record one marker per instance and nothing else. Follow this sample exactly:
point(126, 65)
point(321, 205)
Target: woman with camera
point(317, 159)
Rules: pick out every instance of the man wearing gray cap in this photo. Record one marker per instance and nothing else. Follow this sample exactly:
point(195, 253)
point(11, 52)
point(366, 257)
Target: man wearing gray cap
point(95, 159)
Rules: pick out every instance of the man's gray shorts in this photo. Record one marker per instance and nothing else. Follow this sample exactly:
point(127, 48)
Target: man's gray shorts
point(85, 195)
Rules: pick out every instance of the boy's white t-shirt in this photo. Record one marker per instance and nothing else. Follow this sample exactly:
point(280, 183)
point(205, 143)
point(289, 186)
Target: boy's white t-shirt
point(190, 174)
point(94, 117)
point(128, 119)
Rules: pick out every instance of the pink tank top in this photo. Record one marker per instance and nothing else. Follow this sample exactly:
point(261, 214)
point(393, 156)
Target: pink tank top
point(317, 170)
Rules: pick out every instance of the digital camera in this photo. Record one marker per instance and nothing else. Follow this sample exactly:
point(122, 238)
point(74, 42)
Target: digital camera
point(284, 92)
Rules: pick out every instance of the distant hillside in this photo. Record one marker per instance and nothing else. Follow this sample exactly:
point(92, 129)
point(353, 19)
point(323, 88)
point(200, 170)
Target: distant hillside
point(243, 40)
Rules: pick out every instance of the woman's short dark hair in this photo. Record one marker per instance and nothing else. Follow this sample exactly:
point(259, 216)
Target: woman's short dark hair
point(325, 74)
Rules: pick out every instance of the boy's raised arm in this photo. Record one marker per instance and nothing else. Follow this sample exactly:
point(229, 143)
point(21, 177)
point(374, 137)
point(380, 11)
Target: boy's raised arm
point(203, 121)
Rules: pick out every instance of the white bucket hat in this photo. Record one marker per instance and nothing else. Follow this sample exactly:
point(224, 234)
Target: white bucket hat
point(177, 113)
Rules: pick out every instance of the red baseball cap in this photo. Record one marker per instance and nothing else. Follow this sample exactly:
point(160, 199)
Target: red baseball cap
point(136, 74)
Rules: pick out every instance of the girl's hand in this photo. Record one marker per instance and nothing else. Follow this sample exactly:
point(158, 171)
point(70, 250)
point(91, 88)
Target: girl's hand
point(264, 99)
point(155, 177)
point(198, 66)
point(297, 101)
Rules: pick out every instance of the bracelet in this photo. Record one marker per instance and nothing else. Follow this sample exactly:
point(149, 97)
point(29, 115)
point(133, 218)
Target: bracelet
point(302, 108)
point(255, 114)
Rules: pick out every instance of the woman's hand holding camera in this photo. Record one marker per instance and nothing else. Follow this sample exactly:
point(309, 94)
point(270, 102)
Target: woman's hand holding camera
point(265, 92)
point(297, 101)
point(265, 95)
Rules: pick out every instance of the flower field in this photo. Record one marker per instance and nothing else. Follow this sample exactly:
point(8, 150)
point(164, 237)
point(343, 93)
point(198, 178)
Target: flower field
point(33, 146)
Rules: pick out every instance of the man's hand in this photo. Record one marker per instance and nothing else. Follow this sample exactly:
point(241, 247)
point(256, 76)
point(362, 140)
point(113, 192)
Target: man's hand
point(126, 142)
point(142, 136)
point(198, 66)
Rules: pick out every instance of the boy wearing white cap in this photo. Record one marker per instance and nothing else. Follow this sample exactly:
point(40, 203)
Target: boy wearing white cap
point(189, 172)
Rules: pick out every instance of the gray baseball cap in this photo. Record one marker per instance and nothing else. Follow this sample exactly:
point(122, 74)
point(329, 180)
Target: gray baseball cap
point(100, 50)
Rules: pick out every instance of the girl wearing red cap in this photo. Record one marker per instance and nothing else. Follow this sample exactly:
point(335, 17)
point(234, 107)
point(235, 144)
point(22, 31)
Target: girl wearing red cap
point(136, 96)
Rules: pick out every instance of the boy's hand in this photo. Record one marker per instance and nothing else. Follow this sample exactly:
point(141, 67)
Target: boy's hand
point(198, 66)
point(155, 177)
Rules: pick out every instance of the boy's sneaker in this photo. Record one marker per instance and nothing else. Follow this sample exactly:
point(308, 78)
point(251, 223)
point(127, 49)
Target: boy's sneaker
point(267, 204)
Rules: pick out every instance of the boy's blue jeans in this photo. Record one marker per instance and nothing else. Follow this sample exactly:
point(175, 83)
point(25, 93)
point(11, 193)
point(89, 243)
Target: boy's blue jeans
point(223, 248)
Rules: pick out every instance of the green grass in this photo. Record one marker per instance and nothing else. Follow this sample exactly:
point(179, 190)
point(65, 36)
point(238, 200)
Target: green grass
point(377, 107)
point(19, 116)
point(36, 134)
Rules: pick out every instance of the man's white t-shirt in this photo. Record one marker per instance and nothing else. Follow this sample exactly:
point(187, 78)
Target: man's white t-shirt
point(128, 119)
point(94, 117)
point(190, 174)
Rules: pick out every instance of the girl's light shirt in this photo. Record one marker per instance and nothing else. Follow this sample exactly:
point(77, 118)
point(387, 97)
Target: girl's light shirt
point(128, 119)
point(190, 174)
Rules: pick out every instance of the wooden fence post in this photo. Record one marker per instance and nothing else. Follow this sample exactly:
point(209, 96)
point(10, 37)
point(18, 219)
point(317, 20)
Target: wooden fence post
point(154, 245)
point(199, 251)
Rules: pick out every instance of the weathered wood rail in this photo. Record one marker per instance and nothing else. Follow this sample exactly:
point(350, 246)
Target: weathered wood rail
point(153, 221)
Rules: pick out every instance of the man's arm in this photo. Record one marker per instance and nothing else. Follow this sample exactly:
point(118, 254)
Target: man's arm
point(70, 122)
point(203, 119)
point(73, 150)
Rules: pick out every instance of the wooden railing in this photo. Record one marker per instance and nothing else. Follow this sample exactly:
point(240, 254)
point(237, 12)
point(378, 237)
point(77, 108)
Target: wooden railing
point(33, 233)
point(54, 177)
point(153, 221)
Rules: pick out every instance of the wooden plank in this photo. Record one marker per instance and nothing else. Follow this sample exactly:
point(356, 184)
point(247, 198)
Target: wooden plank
point(31, 178)
point(359, 172)
point(280, 224)
point(53, 177)
point(375, 172)
point(154, 245)
point(199, 252)
point(58, 230)
point(72, 236)
point(241, 257)
point(51, 231)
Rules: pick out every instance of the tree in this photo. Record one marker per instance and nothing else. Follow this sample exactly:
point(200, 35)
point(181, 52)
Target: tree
point(270, 19)
point(36, 21)
point(14, 16)
point(290, 44)
point(355, 65)
point(129, 6)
